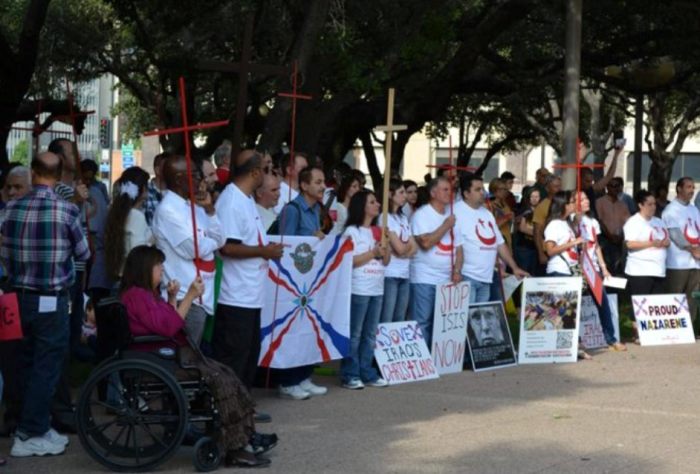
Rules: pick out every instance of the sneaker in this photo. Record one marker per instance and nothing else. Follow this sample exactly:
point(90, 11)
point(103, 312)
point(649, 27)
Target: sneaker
point(56, 438)
point(261, 443)
point(37, 446)
point(295, 392)
point(312, 388)
point(354, 384)
point(380, 382)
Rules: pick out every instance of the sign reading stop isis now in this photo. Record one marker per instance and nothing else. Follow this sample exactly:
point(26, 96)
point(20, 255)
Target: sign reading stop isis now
point(450, 327)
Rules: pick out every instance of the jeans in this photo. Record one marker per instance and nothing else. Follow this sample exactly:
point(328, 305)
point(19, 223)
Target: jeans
point(43, 352)
point(605, 316)
point(423, 308)
point(480, 292)
point(364, 318)
point(526, 257)
point(396, 293)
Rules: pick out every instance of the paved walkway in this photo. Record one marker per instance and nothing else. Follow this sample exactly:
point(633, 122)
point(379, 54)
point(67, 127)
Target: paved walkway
point(634, 412)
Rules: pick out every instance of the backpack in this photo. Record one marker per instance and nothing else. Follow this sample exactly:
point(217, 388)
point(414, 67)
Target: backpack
point(275, 227)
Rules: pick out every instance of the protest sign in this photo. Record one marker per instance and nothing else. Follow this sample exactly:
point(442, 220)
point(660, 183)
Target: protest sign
point(490, 342)
point(306, 314)
point(402, 354)
point(510, 284)
point(663, 319)
point(450, 327)
point(595, 281)
point(549, 320)
point(591, 330)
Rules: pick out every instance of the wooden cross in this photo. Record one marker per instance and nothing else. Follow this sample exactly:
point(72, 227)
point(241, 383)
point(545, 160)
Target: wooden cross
point(185, 129)
point(37, 130)
point(294, 95)
point(389, 128)
point(578, 166)
point(243, 68)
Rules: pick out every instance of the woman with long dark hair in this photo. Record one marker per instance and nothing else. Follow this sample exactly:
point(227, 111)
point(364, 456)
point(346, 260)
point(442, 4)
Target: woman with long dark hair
point(126, 225)
point(562, 246)
point(403, 247)
point(347, 189)
point(411, 205)
point(150, 314)
point(589, 230)
point(369, 260)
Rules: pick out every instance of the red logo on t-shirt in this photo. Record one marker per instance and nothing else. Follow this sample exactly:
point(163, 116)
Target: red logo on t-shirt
point(656, 231)
point(692, 240)
point(485, 240)
point(591, 235)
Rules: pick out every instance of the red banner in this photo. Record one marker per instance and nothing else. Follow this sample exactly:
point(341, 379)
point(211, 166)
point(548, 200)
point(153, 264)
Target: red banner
point(595, 281)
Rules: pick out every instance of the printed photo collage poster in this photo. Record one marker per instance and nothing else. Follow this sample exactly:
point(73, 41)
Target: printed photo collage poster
point(549, 320)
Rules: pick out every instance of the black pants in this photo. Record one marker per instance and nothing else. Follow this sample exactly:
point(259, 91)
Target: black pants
point(643, 285)
point(236, 340)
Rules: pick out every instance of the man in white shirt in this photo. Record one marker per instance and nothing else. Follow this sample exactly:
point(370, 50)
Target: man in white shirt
point(245, 255)
point(682, 260)
point(172, 229)
point(481, 239)
point(266, 198)
point(289, 187)
point(439, 256)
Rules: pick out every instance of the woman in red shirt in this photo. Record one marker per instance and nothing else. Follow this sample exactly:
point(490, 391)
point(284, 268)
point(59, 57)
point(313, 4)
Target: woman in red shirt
point(150, 314)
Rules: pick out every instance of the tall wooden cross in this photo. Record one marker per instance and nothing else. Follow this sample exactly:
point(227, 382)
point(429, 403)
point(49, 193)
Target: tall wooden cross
point(185, 129)
point(243, 68)
point(389, 128)
point(578, 166)
point(37, 129)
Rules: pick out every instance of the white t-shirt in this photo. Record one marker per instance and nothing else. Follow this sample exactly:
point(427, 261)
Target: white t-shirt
point(480, 241)
point(172, 228)
point(339, 214)
point(685, 218)
point(432, 266)
point(136, 232)
point(559, 232)
point(285, 196)
point(242, 279)
point(589, 229)
point(650, 261)
point(268, 216)
point(399, 267)
point(368, 279)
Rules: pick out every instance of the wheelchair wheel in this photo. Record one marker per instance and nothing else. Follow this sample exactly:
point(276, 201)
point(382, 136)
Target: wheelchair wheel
point(131, 415)
point(207, 455)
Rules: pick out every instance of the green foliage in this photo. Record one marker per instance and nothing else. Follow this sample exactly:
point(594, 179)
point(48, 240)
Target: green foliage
point(21, 153)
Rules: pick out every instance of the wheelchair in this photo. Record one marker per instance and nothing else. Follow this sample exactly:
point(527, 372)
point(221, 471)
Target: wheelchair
point(136, 407)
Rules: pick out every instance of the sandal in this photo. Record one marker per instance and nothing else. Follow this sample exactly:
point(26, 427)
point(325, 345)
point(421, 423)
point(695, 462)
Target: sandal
point(617, 347)
point(583, 355)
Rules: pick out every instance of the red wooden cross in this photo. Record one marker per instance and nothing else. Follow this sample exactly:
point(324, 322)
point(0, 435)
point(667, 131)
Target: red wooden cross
point(185, 129)
point(578, 166)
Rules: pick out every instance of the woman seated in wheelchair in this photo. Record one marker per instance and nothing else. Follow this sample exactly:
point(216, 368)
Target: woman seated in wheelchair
point(150, 314)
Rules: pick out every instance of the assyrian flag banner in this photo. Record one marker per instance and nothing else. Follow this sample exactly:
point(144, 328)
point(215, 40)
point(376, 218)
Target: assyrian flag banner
point(306, 315)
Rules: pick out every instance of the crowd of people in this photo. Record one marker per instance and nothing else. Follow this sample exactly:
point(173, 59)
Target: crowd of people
point(68, 243)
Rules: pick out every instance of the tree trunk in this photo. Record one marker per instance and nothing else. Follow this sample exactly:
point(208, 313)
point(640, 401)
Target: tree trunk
point(371, 157)
point(661, 168)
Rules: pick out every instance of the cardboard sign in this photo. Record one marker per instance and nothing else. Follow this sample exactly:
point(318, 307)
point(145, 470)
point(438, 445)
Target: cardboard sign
point(402, 354)
point(10, 324)
point(490, 342)
point(591, 330)
point(450, 327)
point(595, 281)
point(549, 320)
point(663, 320)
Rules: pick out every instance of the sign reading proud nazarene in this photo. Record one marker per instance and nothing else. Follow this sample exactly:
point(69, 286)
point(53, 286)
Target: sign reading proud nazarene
point(663, 319)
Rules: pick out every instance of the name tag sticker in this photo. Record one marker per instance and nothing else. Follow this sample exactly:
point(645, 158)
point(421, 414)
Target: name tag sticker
point(47, 304)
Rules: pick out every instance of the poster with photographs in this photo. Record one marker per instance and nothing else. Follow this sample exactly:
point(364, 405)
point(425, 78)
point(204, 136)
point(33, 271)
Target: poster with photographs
point(549, 320)
point(488, 337)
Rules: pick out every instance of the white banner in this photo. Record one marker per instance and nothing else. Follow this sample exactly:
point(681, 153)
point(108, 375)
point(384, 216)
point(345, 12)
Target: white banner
point(450, 326)
point(402, 354)
point(549, 320)
point(306, 316)
point(663, 319)
point(591, 330)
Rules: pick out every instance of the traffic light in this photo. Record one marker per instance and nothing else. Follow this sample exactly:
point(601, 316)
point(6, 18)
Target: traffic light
point(104, 133)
